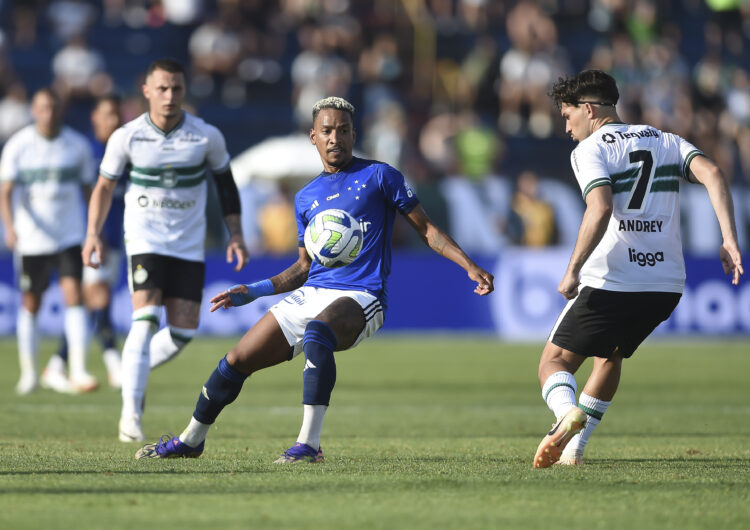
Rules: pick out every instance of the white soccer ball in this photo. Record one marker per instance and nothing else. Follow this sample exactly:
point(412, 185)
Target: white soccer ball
point(333, 238)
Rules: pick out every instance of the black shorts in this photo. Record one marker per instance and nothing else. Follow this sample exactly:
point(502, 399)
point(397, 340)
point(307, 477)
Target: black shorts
point(177, 278)
point(37, 270)
point(598, 321)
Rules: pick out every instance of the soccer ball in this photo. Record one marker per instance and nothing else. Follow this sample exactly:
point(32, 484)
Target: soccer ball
point(333, 238)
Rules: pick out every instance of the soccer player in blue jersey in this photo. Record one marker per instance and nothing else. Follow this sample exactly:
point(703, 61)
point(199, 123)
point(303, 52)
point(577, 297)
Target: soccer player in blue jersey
point(330, 309)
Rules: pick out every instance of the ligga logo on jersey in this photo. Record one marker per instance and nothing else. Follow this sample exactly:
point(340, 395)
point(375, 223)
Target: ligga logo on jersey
point(645, 258)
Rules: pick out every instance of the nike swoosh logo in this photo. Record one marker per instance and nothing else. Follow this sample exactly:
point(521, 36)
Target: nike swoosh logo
point(205, 393)
point(554, 429)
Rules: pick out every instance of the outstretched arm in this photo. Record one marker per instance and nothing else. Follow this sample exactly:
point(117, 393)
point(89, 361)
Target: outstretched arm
point(292, 278)
point(593, 226)
point(444, 245)
point(709, 174)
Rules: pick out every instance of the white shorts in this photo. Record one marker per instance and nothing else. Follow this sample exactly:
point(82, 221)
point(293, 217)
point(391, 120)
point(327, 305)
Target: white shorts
point(108, 273)
point(295, 311)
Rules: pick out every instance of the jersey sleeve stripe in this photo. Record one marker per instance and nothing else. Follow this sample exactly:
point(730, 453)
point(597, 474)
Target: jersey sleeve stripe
point(686, 164)
point(109, 176)
point(595, 184)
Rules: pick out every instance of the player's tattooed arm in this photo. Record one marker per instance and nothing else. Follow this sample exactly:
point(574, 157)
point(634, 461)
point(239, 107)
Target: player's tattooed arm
point(444, 245)
point(288, 280)
point(295, 276)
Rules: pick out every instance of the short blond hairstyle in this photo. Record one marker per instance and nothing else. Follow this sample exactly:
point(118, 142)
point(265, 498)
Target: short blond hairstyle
point(332, 102)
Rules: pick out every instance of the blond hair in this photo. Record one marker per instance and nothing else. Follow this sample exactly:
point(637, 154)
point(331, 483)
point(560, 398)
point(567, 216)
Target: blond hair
point(332, 102)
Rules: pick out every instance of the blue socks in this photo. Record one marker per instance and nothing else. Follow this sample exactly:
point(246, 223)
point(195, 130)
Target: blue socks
point(221, 389)
point(319, 376)
point(103, 327)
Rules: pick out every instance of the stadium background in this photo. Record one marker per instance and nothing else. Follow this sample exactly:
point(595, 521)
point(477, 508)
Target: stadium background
point(453, 92)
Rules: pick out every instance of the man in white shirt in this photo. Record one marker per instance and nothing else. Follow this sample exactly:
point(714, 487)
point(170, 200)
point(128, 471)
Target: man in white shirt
point(46, 164)
point(627, 271)
point(167, 154)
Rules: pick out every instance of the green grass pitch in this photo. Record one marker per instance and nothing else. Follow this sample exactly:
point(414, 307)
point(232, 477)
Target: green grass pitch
point(430, 432)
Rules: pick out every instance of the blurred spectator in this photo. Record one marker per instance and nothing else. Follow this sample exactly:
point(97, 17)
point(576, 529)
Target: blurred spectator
point(24, 26)
point(14, 111)
point(215, 46)
point(385, 135)
point(278, 224)
point(317, 72)
point(534, 219)
point(80, 71)
point(528, 68)
point(379, 68)
point(70, 18)
point(182, 12)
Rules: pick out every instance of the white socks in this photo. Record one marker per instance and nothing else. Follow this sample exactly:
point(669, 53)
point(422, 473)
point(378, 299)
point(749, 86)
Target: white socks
point(167, 343)
point(135, 359)
point(312, 425)
point(594, 409)
point(194, 433)
point(28, 343)
point(559, 391)
point(76, 331)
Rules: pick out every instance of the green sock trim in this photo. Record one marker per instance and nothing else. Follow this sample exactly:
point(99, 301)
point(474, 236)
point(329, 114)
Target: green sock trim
point(150, 318)
point(591, 412)
point(179, 338)
point(555, 386)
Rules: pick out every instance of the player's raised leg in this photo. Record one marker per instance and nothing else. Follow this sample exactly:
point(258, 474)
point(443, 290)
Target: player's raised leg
point(262, 346)
point(182, 323)
point(556, 370)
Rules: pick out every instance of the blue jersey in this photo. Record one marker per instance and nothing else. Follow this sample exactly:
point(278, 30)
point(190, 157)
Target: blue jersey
point(371, 192)
point(112, 231)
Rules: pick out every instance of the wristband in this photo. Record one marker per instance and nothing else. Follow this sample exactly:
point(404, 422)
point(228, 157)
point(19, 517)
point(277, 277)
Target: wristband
point(254, 291)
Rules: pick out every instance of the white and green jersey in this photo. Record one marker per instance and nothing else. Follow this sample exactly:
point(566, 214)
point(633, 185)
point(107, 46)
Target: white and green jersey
point(165, 201)
point(641, 249)
point(48, 208)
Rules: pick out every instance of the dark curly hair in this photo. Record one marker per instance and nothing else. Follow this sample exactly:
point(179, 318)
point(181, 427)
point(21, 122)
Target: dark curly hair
point(590, 86)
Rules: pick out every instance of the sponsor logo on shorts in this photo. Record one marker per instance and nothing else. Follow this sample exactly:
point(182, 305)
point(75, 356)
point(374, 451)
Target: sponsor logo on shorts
point(140, 275)
point(297, 297)
point(645, 258)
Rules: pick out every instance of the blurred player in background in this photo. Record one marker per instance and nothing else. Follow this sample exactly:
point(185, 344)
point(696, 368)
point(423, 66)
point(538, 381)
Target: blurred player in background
point(97, 283)
point(627, 272)
point(166, 154)
point(48, 164)
point(330, 309)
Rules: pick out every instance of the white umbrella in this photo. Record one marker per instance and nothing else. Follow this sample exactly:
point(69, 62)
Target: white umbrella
point(277, 158)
